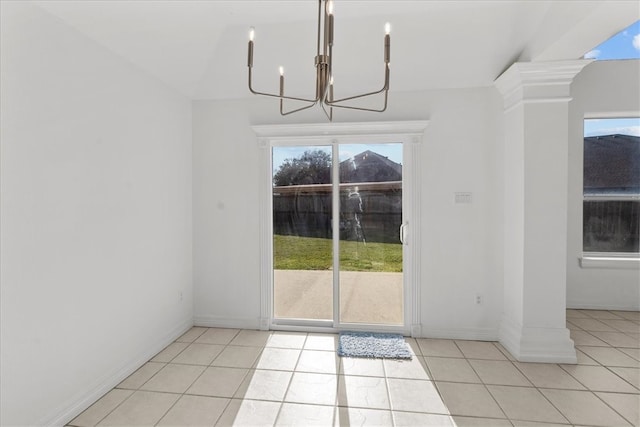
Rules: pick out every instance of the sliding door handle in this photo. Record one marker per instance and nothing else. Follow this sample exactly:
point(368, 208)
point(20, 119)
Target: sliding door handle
point(403, 230)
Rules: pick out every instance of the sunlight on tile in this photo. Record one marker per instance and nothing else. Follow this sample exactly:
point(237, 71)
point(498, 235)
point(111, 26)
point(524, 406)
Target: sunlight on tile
point(287, 340)
point(293, 414)
point(249, 413)
point(412, 419)
point(361, 366)
point(231, 377)
point(319, 362)
point(219, 382)
point(326, 342)
point(415, 396)
point(312, 389)
point(472, 400)
point(415, 368)
point(264, 385)
point(278, 358)
point(363, 392)
point(349, 417)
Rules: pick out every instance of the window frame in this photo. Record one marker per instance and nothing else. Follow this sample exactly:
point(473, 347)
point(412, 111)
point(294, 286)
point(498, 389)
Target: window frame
point(595, 259)
point(412, 135)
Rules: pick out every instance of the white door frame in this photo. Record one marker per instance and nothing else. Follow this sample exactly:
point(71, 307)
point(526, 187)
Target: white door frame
point(410, 134)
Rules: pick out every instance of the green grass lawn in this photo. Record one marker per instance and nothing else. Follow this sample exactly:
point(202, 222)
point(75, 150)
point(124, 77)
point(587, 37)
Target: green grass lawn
point(307, 253)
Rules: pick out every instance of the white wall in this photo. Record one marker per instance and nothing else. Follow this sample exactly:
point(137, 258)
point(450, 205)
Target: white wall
point(225, 215)
point(96, 218)
point(603, 88)
point(462, 244)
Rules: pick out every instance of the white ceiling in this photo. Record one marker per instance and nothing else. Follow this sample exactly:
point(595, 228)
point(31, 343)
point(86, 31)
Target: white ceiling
point(200, 47)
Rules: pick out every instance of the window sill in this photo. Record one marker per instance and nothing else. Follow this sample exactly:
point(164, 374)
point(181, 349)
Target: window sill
point(595, 260)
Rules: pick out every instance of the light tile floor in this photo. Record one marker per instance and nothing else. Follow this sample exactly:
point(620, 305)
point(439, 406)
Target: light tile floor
point(228, 377)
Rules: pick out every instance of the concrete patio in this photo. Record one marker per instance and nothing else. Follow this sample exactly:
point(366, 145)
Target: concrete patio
point(365, 297)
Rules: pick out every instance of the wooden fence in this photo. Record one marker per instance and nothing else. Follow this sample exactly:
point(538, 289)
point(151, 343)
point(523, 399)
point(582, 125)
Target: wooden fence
point(371, 211)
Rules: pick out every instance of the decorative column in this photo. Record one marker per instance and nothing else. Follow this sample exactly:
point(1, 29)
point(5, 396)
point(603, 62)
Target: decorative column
point(536, 135)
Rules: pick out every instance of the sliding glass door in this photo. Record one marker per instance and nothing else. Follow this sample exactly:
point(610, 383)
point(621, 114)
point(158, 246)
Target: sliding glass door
point(302, 233)
point(370, 261)
point(337, 234)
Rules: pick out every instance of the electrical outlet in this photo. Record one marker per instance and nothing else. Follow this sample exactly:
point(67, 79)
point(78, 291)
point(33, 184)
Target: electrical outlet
point(180, 295)
point(478, 299)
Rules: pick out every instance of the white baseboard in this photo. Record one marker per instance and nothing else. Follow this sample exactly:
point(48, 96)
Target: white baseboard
point(416, 330)
point(264, 323)
point(227, 322)
point(81, 401)
point(474, 334)
point(588, 305)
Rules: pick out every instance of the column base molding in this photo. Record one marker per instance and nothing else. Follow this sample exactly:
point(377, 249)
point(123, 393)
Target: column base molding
point(545, 345)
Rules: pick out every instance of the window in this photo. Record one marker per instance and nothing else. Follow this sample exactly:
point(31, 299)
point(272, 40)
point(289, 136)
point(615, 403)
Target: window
point(624, 45)
point(611, 187)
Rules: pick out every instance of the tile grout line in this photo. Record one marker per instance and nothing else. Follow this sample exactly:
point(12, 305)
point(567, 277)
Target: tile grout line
point(608, 368)
point(566, 417)
point(386, 384)
point(232, 398)
point(594, 392)
point(385, 374)
point(483, 385)
point(181, 395)
point(275, 422)
point(109, 413)
point(133, 391)
point(137, 389)
point(489, 391)
point(610, 407)
point(193, 382)
point(538, 389)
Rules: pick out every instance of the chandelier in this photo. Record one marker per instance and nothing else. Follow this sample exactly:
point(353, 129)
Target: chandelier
point(324, 74)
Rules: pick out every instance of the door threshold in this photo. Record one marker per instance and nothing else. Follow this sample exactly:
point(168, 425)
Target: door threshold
point(315, 326)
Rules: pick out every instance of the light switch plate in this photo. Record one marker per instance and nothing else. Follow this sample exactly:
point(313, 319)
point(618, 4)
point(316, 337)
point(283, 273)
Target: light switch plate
point(462, 198)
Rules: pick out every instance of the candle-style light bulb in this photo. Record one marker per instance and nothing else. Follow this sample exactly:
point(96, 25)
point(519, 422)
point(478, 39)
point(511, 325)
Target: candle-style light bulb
point(387, 43)
point(330, 7)
point(252, 33)
point(281, 71)
point(331, 89)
